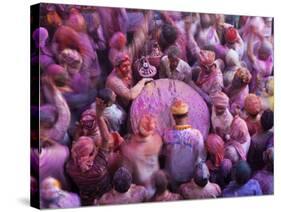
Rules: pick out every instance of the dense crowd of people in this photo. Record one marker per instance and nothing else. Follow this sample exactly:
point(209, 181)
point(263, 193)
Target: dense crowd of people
point(95, 61)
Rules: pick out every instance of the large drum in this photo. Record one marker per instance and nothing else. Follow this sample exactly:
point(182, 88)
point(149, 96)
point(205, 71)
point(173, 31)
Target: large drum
point(156, 99)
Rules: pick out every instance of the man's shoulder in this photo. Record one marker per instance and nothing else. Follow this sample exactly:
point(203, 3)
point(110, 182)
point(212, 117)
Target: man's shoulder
point(194, 132)
point(164, 58)
point(184, 66)
point(111, 76)
point(113, 80)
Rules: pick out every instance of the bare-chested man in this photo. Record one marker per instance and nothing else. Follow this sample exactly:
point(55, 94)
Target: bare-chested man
point(141, 154)
point(121, 83)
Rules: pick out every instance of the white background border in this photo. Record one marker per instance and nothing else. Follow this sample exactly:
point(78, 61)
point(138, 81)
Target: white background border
point(14, 111)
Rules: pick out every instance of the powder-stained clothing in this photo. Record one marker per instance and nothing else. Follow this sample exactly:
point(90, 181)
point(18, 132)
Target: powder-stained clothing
point(207, 37)
point(121, 88)
point(251, 188)
point(182, 150)
point(135, 194)
point(115, 116)
point(259, 143)
point(192, 191)
point(237, 98)
point(254, 124)
point(94, 182)
point(261, 70)
point(265, 179)
point(182, 71)
point(167, 196)
point(212, 82)
point(221, 124)
point(142, 159)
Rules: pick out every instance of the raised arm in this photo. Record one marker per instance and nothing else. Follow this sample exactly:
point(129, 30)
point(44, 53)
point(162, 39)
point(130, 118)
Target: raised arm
point(250, 50)
point(105, 134)
point(189, 81)
point(59, 129)
point(140, 36)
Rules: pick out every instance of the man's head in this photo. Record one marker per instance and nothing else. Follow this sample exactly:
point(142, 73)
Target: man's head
point(50, 188)
point(53, 19)
point(107, 95)
point(207, 60)
point(201, 174)
point(122, 180)
point(215, 148)
point(84, 152)
point(265, 50)
point(179, 111)
point(238, 129)
point(168, 35)
point(88, 120)
point(205, 20)
point(231, 35)
point(173, 56)
point(40, 36)
point(242, 172)
point(122, 64)
point(232, 58)
point(270, 86)
point(76, 21)
point(253, 105)
point(71, 60)
point(267, 120)
point(242, 77)
point(221, 102)
point(118, 40)
point(231, 154)
point(147, 125)
point(58, 74)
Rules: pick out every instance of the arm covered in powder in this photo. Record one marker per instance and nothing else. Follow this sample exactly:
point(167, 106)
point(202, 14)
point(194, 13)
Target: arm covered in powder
point(140, 37)
point(59, 129)
point(128, 93)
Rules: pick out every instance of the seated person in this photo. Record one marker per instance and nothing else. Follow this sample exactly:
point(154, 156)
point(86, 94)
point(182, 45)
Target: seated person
point(210, 79)
point(120, 81)
point(215, 151)
point(221, 117)
point(173, 67)
point(162, 192)
point(200, 187)
point(140, 153)
point(238, 146)
point(242, 184)
point(265, 176)
point(253, 107)
point(123, 191)
point(261, 141)
point(183, 147)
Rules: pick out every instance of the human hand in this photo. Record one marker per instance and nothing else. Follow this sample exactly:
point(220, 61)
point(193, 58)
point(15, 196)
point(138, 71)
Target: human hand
point(147, 80)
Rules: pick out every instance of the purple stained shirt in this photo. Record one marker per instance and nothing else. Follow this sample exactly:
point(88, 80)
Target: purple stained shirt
point(265, 179)
point(251, 188)
point(182, 150)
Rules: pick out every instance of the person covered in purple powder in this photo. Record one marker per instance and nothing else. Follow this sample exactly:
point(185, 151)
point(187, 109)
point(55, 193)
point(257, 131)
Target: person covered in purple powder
point(242, 184)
